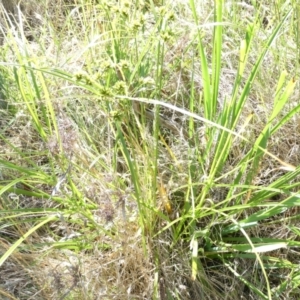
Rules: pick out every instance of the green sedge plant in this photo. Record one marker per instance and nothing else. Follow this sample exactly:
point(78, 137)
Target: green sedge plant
point(189, 196)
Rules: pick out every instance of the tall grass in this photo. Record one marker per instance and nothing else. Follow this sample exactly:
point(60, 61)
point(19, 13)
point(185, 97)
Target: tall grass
point(150, 148)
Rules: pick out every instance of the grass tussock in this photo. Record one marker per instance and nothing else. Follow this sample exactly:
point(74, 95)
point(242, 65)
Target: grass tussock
point(149, 150)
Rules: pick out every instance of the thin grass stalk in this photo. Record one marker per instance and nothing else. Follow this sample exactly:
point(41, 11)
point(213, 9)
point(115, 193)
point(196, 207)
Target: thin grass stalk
point(209, 106)
point(217, 51)
point(246, 89)
point(12, 248)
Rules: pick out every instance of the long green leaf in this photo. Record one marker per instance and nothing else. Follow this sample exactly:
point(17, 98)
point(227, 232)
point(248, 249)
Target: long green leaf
point(12, 248)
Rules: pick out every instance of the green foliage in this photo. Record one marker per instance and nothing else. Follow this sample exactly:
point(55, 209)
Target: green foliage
point(137, 124)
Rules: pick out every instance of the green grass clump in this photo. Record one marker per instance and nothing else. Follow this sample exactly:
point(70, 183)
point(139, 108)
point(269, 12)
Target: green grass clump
point(149, 150)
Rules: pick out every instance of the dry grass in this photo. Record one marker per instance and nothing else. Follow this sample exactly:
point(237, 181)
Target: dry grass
point(127, 197)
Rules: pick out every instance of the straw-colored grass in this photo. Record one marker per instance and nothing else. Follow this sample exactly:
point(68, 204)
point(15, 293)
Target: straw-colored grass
point(149, 150)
